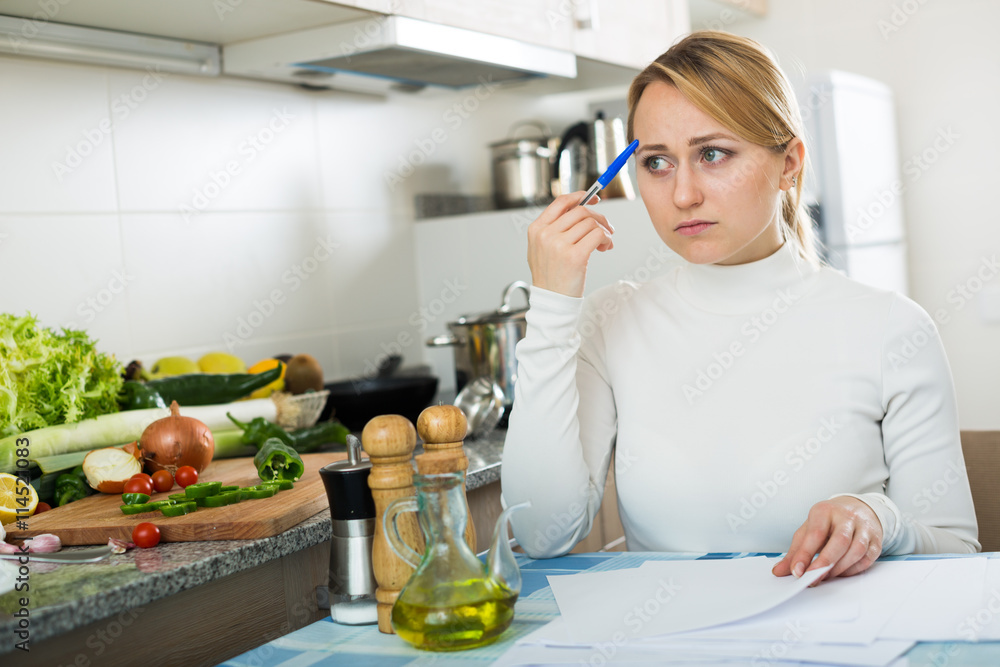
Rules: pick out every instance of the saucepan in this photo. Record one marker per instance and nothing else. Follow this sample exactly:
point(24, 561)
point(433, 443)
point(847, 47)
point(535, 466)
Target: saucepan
point(484, 345)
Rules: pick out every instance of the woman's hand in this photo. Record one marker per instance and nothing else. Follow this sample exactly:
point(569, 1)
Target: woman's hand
point(843, 530)
point(560, 242)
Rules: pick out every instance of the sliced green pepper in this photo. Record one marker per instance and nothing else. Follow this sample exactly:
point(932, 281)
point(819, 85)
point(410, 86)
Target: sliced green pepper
point(137, 508)
point(69, 487)
point(178, 496)
point(279, 484)
point(178, 509)
point(228, 498)
point(202, 489)
point(277, 461)
point(135, 498)
point(257, 492)
point(226, 489)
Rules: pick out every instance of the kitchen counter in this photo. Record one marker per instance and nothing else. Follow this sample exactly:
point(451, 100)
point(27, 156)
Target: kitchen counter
point(211, 587)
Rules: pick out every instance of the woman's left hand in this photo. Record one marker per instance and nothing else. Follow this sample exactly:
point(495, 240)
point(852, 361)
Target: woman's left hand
point(843, 530)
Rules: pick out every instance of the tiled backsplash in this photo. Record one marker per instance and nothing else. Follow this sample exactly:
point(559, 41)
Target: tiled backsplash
point(178, 215)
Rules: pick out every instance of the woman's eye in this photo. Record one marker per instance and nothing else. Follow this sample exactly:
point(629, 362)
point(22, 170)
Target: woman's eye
point(656, 163)
point(713, 155)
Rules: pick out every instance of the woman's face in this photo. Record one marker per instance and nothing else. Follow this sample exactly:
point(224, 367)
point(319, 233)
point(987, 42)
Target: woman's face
point(712, 197)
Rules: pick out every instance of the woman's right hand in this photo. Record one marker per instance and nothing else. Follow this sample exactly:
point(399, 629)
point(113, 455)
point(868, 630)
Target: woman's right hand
point(560, 242)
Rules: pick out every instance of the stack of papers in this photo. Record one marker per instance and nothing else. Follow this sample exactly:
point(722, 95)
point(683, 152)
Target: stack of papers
point(708, 612)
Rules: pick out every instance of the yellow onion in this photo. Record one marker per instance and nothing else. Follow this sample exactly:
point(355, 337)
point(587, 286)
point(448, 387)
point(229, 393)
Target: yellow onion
point(176, 441)
point(109, 468)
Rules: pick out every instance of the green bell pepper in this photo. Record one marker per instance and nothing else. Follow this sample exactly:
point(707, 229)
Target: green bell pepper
point(305, 440)
point(211, 388)
point(138, 395)
point(69, 487)
point(277, 461)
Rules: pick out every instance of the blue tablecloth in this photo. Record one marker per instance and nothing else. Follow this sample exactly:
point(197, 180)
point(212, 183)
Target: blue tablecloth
point(328, 644)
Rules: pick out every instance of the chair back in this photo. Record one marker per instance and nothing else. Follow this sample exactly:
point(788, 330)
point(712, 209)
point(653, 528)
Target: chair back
point(982, 460)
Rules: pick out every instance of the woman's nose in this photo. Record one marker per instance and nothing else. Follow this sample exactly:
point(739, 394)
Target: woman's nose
point(687, 191)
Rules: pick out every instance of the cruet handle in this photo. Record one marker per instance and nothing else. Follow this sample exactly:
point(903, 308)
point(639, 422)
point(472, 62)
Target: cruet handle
point(501, 564)
point(396, 543)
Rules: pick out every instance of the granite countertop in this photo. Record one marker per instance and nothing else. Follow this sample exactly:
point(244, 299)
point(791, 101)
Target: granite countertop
point(66, 597)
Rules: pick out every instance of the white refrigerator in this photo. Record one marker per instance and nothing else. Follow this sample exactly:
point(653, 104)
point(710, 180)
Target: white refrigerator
point(856, 189)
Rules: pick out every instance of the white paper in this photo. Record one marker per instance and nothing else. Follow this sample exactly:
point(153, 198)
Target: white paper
point(877, 654)
point(936, 610)
point(877, 593)
point(664, 597)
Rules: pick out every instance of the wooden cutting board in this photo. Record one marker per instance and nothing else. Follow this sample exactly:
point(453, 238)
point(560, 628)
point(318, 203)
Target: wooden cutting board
point(97, 518)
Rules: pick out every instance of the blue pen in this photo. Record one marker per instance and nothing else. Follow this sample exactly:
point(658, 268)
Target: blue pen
point(612, 171)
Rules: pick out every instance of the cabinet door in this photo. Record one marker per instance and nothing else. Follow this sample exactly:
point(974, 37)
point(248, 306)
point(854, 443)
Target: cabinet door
point(543, 22)
point(632, 34)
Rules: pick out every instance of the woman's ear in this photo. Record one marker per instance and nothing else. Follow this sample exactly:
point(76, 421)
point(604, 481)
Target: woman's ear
point(795, 155)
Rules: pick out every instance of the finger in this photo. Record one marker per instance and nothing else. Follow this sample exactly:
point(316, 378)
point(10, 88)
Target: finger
point(570, 218)
point(558, 207)
point(783, 567)
point(858, 549)
point(837, 545)
point(815, 534)
point(874, 551)
point(593, 240)
point(578, 231)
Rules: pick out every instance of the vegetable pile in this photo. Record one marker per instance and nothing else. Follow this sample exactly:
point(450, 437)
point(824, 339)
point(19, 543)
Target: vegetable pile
point(49, 378)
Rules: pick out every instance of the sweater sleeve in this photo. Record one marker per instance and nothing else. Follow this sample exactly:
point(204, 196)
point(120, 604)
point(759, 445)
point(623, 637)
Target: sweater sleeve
point(927, 504)
point(561, 432)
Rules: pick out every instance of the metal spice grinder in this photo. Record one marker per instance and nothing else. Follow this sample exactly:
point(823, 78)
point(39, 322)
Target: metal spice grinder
point(352, 509)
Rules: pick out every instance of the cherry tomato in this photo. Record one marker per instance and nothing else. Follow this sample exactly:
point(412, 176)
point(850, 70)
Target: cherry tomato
point(139, 485)
point(163, 481)
point(146, 535)
point(142, 475)
point(42, 507)
point(186, 476)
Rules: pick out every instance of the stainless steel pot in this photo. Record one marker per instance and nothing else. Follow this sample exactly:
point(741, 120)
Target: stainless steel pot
point(522, 168)
point(484, 344)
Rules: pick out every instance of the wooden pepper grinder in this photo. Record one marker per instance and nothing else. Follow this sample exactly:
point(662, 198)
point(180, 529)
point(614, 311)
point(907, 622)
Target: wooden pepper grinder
point(443, 428)
point(389, 441)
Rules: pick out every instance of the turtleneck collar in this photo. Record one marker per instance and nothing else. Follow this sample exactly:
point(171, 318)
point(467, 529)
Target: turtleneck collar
point(746, 288)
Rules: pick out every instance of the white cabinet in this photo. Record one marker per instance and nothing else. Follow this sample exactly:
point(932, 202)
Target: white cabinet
point(604, 30)
point(542, 22)
point(631, 35)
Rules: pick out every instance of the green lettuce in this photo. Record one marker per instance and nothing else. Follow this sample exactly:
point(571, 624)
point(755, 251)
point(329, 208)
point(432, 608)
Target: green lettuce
point(49, 378)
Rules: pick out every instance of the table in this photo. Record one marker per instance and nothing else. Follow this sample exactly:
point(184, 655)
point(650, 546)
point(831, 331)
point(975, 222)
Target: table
point(329, 644)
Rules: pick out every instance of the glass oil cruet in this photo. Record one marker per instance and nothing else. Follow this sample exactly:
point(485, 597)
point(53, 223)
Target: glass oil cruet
point(453, 601)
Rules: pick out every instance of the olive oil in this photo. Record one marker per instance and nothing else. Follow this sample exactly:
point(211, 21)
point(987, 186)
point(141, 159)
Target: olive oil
point(460, 615)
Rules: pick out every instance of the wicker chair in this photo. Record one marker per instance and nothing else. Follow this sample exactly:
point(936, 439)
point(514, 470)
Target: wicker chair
point(982, 459)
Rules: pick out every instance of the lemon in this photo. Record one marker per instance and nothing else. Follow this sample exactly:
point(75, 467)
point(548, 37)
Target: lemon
point(221, 362)
point(173, 366)
point(14, 498)
point(277, 385)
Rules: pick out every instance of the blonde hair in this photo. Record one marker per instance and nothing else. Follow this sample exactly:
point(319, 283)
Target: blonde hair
point(737, 82)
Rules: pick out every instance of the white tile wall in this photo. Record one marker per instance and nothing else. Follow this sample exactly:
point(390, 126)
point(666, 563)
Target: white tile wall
point(57, 146)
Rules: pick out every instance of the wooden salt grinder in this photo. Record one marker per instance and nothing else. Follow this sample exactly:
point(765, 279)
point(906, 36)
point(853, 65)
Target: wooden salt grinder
point(443, 428)
point(389, 441)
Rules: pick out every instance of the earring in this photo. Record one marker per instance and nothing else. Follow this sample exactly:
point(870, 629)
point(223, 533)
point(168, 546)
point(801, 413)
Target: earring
point(795, 181)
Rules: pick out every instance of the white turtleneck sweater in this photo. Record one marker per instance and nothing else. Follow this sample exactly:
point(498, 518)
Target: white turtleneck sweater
point(733, 399)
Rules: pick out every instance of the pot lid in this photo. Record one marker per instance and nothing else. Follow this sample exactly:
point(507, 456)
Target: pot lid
point(505, 312)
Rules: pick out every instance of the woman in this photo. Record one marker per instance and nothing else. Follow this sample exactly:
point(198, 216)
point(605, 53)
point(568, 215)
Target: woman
point(753, 399)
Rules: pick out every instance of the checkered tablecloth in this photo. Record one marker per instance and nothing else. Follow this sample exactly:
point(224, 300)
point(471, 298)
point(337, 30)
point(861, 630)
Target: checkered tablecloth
point(328, 644)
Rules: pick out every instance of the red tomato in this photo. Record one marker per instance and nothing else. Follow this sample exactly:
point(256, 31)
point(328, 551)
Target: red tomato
point(146, 535)
point(142, 475)
point(139, 485)
point(186, 476)
point(42, 507)
point(162, 481)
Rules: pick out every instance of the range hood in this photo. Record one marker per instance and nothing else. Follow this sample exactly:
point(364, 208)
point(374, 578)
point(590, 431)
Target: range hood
point(385, 53)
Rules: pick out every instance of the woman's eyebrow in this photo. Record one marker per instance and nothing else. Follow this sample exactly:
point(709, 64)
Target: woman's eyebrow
point(693, 141)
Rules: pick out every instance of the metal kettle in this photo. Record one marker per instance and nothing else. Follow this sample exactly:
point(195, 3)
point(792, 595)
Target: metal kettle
point(586, 150)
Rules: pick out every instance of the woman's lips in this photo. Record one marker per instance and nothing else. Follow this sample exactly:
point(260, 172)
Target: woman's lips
point(693, 227)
